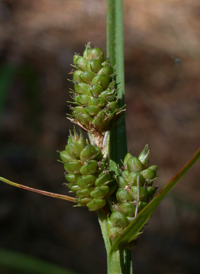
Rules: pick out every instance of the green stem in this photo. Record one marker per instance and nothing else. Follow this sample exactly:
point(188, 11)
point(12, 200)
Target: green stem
point(119, 48)
point(115, 51)
point(102, 214)
point(111, 53)
point(114, 258)
point(118, 261)
point(119, 56)
point(111, 31)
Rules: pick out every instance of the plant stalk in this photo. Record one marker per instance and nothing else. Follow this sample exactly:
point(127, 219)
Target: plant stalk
point(119, 261)
point(115, 51)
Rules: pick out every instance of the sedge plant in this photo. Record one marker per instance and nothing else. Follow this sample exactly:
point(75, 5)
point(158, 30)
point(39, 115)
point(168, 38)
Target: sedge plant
point(99, 172)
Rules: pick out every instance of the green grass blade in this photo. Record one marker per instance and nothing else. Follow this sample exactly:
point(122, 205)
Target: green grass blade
point(137, 224)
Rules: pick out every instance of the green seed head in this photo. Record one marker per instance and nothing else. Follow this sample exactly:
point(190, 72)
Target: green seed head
point(75, 57)
point(92, 110)
point(79, 111)
point(102, 80)
point(83, 201)
point(114, 233)
point(144, 156)
point(151, 191)
point(94, 66)
point(118, 219)
point(99, 192)
point(95, 53)
point(87, 51)
point(143, 193)
point(80, 114)
point(113, 106)
point(76, 76)
point(98, 121)
point(86, 181)
point(125, 174)
point(84, 192)
point(82, 88)
point(76, 139)
point(73, 167)
point(106, 63)
point(96, 204)
point(94, 77)
point(97, 102)
point(135, 178)
point(74, 150)
point(96, 90)
point(128, 209)
point(81, 63)
point(134, 164)
point(90, 152)
point(112, 85)
point(88, 172)
point(148, 174)
point(103, 165)
point(74, 188)
point(72, 178)
point(86, 77)
point(102, 179)
point(154, 167)
point(122, 182)
point(82, 99)
point(123, 196)
point(106, 70)
point(128, 155)
point(65, 157)
point(89, 168)
point(108, 95)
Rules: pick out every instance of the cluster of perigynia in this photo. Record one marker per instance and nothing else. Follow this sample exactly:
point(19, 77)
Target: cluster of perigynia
point(88, 172)
point(95, 92)
point(96, 109)
point(134, 191)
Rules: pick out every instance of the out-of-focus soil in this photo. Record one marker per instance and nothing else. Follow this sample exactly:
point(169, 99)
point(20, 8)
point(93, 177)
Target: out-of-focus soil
point(162, 71)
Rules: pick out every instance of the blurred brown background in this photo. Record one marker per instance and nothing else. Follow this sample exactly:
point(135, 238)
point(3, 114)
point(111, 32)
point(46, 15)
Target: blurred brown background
point(162, 64)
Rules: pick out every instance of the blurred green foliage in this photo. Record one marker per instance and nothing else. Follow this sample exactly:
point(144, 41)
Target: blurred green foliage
point(7, 73)
point(16, 263)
